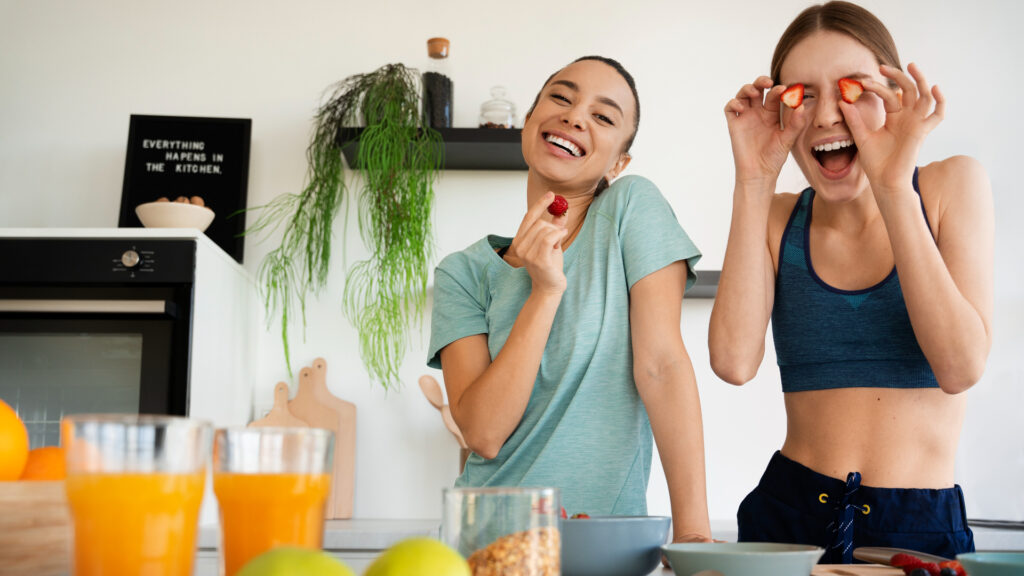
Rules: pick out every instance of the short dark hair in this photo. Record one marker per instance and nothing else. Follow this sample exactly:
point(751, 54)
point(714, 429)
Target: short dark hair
point(632, 88)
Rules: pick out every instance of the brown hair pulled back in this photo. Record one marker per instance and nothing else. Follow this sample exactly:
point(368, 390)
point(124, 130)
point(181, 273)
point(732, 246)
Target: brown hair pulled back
point(845, 18)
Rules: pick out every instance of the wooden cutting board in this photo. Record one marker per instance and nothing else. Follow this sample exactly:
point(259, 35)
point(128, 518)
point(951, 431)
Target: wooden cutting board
point(280, 415)
point(855, 570)
point(344, 441)
point(308, 406)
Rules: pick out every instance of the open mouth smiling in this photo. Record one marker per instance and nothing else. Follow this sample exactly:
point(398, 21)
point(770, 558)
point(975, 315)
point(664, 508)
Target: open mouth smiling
point(572, 148)
point(835, 157)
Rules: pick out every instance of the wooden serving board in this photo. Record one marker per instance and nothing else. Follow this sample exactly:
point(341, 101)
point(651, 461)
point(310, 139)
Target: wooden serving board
point(344, 441)
point(308, 406)
point(280, 415)
point(855, 570)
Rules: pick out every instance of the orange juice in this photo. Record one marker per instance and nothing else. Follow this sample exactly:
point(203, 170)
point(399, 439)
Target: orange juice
point(134, 523)
point(262, 511)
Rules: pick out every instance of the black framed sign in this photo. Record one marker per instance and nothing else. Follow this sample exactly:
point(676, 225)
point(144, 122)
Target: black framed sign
point(171, 156)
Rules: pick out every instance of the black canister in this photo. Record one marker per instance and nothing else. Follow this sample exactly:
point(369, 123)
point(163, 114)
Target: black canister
point(437, 86)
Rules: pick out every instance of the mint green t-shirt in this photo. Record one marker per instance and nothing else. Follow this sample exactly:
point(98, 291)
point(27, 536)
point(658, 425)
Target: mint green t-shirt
point(585, 429)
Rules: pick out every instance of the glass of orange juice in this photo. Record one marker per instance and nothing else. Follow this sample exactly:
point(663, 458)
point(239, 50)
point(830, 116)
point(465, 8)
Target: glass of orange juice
point(271, 486)
point(134, 486)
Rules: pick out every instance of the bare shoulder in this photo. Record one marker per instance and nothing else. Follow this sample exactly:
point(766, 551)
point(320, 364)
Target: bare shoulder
point(956, 194)
point(955, 179)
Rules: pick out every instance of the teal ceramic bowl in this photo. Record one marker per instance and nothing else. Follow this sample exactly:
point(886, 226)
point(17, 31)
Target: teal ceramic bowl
point(743, 558)
point(993, 563)
point(613, 545)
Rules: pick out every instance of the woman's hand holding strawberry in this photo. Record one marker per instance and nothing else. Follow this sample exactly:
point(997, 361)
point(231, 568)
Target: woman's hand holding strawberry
point(888, 155)
point(538, 246)
point(760, 144)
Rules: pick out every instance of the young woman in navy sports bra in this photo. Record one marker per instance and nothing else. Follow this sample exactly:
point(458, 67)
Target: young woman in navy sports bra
point(878, 283)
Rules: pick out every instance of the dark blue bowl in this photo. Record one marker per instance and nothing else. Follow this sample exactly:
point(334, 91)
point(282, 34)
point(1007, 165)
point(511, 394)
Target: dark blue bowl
point(613, 545)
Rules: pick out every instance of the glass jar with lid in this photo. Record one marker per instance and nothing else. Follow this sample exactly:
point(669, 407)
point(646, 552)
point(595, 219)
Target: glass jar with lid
point(437, 85)
point(498, 112)
point(504, 529)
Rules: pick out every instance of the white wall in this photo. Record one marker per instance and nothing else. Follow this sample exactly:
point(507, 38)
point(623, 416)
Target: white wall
point(72, 72)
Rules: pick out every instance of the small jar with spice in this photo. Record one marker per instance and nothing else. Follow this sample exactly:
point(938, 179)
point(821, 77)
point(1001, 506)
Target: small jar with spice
point(498, 112)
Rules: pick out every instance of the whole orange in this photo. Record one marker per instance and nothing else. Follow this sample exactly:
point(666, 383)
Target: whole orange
point(13, 443)
point(46, 463)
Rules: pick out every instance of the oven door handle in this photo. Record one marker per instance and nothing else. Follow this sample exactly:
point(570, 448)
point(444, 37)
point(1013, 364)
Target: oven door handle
point(89, 307)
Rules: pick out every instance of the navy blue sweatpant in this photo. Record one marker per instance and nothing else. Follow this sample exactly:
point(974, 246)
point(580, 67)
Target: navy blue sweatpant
point(796, 505)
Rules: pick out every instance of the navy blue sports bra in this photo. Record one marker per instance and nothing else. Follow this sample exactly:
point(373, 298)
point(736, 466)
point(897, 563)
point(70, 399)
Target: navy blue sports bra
point(831, 338)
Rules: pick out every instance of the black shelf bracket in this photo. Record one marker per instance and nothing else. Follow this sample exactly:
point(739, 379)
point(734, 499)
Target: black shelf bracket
point(706, 286)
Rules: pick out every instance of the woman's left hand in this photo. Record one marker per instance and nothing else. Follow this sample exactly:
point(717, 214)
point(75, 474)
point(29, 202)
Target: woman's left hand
point(888, 155)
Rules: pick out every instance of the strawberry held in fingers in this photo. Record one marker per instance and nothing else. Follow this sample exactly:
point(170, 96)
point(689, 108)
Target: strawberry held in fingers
point(850, 89)
point(793, 96)
point(558, 206)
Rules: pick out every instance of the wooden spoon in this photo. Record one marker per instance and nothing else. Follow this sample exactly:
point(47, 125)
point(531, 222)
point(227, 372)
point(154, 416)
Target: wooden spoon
point(432, 390)
point(449, 422)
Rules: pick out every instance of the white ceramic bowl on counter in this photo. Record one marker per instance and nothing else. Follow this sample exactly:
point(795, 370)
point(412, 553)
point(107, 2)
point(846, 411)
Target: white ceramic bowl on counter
point(174, 215)
point(613, 545)
point(993, 563)
point(742, 558)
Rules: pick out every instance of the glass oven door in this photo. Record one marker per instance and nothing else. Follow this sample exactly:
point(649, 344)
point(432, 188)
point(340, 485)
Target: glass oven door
point(67, 356)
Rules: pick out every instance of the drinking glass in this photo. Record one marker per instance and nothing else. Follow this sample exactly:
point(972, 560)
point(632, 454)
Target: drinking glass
point(134, 486)
point(272, 486)
point(504, 530)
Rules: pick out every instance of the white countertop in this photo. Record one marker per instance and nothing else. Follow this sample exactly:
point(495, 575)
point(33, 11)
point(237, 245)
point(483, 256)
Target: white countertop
point(377, 534)
point(358, 543)
point(358, 534)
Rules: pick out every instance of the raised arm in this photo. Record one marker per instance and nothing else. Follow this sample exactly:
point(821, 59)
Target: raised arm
point(743, 303)
point(947, 285)
point(487, 398)
point(667, 385)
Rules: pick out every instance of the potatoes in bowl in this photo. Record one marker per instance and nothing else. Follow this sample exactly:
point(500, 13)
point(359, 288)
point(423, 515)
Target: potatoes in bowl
point(613, 545)
point(181, 213)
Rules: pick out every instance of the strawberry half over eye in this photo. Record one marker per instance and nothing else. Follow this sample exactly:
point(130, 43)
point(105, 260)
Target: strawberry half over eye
point(850, 89)
point(793, 96)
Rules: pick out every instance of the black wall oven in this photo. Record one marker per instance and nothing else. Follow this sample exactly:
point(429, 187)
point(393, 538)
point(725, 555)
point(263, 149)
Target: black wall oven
point(94, 325)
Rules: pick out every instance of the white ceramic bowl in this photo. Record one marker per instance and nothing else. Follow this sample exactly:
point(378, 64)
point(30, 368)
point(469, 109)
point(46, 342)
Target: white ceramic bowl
point(613, 545)
point(993, 563)
point(174, 215)
point(743, 558)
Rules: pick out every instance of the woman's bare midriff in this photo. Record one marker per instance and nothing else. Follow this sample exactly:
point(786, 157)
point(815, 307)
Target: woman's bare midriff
point(896, 438)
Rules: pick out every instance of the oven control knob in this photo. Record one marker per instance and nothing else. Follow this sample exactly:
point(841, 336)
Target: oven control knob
point(130, 259)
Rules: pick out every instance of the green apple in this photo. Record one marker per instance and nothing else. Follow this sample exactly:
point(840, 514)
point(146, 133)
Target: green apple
point(419, 557)
point(287, 561)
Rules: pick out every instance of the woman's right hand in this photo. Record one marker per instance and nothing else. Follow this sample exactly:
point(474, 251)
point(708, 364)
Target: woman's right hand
point(760, 145)
point(538, 246)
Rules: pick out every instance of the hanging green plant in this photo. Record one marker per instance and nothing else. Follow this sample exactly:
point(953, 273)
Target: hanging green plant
point(399, 160)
